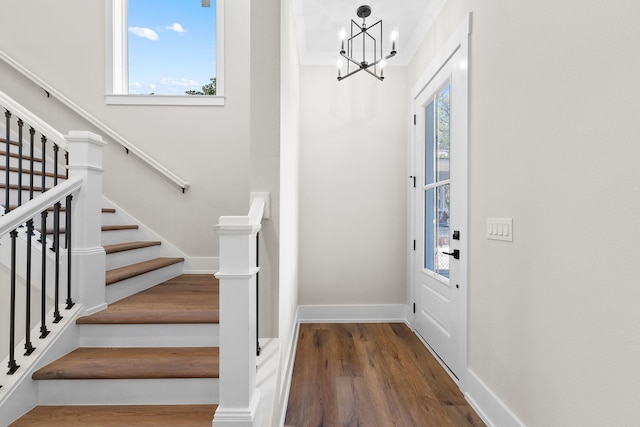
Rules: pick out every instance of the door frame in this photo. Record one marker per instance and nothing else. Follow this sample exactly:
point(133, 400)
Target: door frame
point(459, 41)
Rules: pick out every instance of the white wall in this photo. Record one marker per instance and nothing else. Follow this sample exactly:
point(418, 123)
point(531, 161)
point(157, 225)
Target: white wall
point(553, 316)
point(353, 181)
point(265, 149)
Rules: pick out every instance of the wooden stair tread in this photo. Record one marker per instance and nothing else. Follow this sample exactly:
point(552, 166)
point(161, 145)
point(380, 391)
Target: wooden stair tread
point(86, 363)
point(118, 415)
point(116, 227)
point(128, 246)
point(104, 228)
point(35, 172)
point(129, 271)
point(108, 210)
point(16, 156)
point(11, 141)
point(24, 187)
point(189, 298)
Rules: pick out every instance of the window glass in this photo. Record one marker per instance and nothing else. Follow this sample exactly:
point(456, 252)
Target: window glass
point(171, 47)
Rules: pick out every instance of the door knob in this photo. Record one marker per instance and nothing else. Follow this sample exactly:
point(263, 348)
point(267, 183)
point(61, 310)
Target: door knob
point(455, 253)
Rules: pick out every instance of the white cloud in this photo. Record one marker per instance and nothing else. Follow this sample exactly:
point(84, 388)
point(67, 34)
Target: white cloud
point(182, 82)
point(145, 33)
point(176, 27)
point(152, 86)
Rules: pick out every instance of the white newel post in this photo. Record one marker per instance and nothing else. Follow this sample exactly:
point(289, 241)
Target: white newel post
point(239, 397)
point(89, 258)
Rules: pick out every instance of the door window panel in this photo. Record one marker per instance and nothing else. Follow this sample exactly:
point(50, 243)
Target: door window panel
point(436, 187)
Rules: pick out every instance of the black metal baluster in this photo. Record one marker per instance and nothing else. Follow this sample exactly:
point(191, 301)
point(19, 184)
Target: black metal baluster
point(43, 240)
point(66, 163)
point(258, 349)
point(67, 218)
point(28, 345)
point(56, 211)
point(56, 239)
point(32, 133)
point(13, 366)
point(20, 125)
point(7, 115)
point(44, 162)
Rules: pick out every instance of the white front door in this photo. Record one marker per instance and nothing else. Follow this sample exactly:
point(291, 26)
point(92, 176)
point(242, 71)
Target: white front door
point(440, 211)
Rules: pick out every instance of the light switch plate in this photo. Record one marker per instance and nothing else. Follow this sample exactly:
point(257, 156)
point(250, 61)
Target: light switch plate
point(500, 229)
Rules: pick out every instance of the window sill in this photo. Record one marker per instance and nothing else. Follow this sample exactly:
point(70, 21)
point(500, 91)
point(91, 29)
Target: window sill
point(177, 100)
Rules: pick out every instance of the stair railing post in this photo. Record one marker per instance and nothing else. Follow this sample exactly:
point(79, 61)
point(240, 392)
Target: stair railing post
point(89, 258)
point(239, 397)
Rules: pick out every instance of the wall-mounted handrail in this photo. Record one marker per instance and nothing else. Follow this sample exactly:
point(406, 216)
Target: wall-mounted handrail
point(30, 209)
point(34, 121)
point(130, 147)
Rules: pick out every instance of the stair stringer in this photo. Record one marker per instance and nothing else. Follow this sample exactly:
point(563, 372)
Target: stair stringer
point(192, 265)
point(19, 393)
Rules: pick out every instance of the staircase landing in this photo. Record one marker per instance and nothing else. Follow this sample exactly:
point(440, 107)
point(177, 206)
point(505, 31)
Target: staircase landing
point(189, 298)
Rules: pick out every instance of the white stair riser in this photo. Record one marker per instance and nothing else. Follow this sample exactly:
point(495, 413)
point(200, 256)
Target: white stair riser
point(128, 287)
point(120, 259)
point(109, 218)
point(119, 236)
point(154, 335)
point(128, 392)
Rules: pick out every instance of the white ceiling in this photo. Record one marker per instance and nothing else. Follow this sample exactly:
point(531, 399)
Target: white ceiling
point(318, 24)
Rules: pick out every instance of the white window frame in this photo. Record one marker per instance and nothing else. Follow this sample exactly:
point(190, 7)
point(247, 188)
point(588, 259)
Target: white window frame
point(117, 75)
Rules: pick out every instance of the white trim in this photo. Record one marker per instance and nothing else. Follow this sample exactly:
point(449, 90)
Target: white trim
point(288, 375)
point(241, 417)
point(356, 313)
point(116, 73)
point(248, 275)
point(179, 100)
point(488, 406)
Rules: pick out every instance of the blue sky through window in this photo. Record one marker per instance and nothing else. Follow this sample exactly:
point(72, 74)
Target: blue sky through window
point(172, 46)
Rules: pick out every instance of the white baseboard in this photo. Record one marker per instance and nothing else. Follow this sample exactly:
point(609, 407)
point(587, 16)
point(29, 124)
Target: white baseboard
point(288, 374)
point(357, 313)
point(489, 407)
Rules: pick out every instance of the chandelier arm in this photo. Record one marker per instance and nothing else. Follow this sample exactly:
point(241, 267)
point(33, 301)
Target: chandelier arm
point(373, 74)
point(348, 58)
point(350, 74)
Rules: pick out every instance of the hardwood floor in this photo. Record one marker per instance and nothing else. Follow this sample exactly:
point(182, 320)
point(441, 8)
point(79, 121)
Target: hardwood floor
point(377, 374)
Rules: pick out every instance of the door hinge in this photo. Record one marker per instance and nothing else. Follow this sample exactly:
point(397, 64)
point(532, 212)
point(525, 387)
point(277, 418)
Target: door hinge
point(414, 180)
point(414, 307)
point(415, 119)
point(414, 245)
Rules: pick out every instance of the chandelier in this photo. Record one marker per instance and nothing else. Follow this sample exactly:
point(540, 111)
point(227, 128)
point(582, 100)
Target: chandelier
point(363, 50)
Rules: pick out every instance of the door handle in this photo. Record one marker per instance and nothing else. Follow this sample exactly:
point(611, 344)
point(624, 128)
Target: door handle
point(455, 253)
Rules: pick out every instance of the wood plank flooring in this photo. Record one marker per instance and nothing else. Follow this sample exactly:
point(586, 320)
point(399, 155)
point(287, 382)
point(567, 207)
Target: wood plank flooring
point(118, 416)
point(376, 374)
